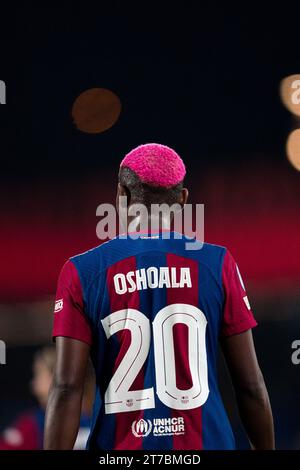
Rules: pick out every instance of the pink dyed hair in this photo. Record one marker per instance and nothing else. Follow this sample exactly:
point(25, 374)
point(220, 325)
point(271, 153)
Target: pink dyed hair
point(155, 164)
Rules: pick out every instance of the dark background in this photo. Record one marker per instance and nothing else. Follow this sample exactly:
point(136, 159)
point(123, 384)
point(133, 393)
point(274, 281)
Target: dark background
point(203, 80)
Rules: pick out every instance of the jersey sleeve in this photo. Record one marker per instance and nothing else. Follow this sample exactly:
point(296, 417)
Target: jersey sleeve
point(237, 314)
point(69, 317)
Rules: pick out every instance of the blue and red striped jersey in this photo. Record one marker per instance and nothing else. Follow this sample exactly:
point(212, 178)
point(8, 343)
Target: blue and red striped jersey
point(152, 312)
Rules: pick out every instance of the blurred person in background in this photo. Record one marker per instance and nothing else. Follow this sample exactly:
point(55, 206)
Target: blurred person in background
point(27, 432)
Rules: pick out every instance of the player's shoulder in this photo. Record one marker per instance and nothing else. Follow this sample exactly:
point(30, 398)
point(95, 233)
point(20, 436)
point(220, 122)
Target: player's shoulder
point(209, 250)
point(98, 257)
point(210, 256)
point(107, 253)
point(219, 258)
point(213, 248)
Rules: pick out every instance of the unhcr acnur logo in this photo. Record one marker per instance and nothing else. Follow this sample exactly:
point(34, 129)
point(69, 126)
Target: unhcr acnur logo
point(141, 428)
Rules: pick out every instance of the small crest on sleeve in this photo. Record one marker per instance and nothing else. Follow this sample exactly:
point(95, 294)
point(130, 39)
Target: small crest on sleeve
point(58, 305)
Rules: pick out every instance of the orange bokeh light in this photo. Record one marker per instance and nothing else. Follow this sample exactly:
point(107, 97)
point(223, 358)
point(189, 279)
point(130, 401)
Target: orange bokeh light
point(290, 93)
point(96, 110)
point(293, 149)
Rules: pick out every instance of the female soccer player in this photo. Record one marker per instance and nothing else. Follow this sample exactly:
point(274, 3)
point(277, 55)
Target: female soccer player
point(151, 314)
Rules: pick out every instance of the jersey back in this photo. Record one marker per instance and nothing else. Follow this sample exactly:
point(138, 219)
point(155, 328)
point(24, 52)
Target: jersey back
point(153, 312)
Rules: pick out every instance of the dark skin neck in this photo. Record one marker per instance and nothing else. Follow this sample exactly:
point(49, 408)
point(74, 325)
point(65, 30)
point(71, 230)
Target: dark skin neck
point(148, 220)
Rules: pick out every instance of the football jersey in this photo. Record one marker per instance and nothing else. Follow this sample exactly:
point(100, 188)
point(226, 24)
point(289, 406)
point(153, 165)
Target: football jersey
point(152, 312)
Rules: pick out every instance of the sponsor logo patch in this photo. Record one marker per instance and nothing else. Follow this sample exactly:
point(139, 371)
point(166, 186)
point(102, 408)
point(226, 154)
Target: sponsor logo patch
point(141, 428)
point(158, 427)
point(58, 305)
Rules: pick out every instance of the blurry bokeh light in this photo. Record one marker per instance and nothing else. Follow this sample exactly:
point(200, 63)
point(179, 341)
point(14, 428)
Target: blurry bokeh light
point(290, 93)
point(96, 110)
point(293, 149)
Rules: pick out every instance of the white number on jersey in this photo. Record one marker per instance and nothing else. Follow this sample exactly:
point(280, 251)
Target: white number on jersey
point(118, 397)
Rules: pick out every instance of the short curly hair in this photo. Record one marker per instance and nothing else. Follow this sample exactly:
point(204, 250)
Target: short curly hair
point(155, 164)
point(153, 173)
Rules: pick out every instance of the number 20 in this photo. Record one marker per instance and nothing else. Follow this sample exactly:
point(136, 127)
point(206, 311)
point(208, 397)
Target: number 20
point(118, 397)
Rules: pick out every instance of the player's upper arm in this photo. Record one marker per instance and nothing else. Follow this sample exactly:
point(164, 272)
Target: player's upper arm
point(237, 314)
point(71, 363)
point(241, 360)
point(69, 316)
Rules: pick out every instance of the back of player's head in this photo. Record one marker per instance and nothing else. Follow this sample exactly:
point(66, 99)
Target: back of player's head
point(153, 173)
point(155, 165)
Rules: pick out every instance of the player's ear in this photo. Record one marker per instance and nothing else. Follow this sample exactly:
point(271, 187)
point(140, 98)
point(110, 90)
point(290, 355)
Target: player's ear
point(122, 191)
point(184, 194)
